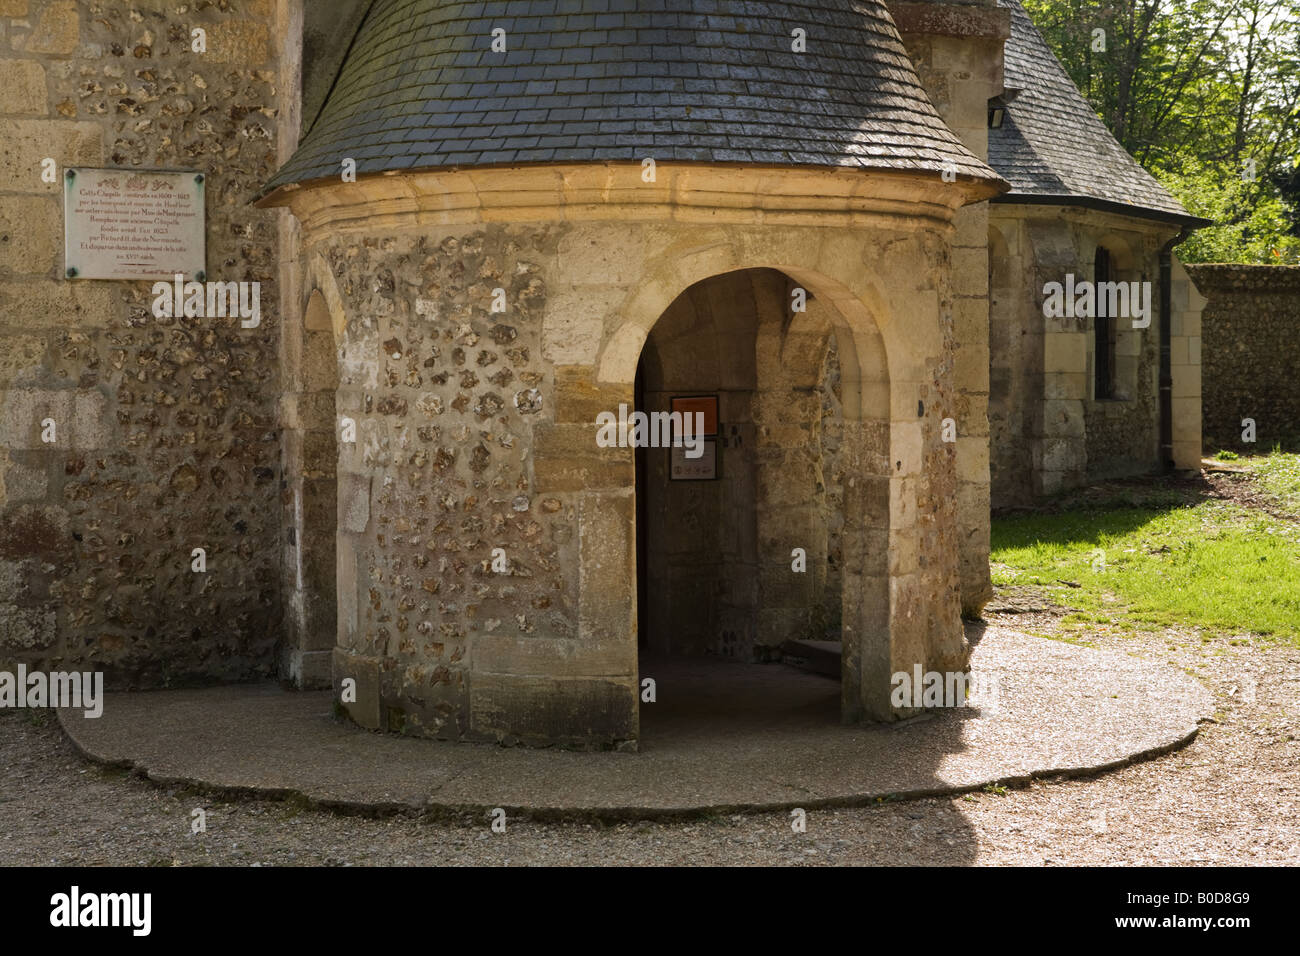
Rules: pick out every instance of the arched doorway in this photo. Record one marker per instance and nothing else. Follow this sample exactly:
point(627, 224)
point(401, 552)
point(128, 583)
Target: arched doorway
point(745, 556)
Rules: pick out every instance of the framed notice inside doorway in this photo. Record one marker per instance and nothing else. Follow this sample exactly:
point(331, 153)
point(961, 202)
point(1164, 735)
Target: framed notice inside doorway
point(681, 467)
point(705, 404)
point(704, 466)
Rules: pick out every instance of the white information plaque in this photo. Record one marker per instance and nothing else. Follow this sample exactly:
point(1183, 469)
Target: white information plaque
point(133, 224)
point(683, 468)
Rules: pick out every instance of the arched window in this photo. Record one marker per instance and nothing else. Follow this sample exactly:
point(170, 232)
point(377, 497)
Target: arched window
point(1103, 364)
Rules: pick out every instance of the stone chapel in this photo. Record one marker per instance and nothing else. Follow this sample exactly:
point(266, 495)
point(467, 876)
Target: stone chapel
point(828, 228)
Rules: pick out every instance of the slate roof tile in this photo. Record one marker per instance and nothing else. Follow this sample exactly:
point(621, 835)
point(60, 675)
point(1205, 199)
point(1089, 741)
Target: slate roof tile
point(1052, 143)
point(593, 80)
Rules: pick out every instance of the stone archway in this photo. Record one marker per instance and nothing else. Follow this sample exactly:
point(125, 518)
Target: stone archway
point(737, 332)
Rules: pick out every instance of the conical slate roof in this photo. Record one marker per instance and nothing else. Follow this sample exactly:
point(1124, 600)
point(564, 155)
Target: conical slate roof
point(1052, 145)
point(621, 80)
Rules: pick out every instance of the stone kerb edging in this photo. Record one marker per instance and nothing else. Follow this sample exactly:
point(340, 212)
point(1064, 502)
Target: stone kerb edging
point(1064, 710)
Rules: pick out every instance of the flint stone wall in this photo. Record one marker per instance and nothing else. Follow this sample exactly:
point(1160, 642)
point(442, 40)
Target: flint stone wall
point(166, 428)
point(1250, 330)
point(444, 393)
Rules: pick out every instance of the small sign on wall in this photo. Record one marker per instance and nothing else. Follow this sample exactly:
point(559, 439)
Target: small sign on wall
point(702, 467)
point(707, 405)
point(133, 224)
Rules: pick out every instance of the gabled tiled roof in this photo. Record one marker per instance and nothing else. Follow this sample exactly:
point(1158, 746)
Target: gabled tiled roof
point(1053, 144)
point(600, 80)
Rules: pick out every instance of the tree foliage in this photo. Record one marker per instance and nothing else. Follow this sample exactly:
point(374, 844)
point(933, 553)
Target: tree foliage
point(1206, 95)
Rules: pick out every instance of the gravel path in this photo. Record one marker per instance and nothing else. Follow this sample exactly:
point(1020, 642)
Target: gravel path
point(1232, 797)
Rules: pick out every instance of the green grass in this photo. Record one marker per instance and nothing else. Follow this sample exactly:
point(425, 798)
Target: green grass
point(1213, 565)
point(1280, 475)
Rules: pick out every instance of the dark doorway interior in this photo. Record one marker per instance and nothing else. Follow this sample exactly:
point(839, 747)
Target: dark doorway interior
point(715, 582)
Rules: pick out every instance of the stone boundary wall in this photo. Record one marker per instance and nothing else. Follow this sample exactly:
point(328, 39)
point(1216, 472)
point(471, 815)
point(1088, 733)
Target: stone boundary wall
point(1251, 346)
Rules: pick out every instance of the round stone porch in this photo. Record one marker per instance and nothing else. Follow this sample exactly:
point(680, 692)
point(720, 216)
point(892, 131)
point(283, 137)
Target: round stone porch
point(722, 736)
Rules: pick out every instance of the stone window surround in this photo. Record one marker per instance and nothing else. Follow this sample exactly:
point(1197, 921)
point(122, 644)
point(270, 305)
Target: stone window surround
point(1126, 341)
